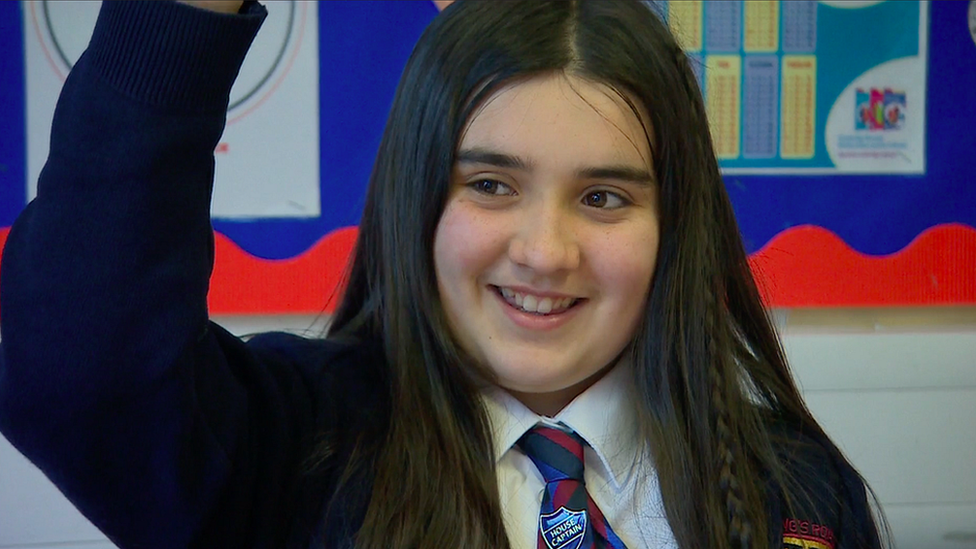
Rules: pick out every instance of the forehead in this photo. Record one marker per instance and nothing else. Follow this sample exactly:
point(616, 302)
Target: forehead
point(560, 118)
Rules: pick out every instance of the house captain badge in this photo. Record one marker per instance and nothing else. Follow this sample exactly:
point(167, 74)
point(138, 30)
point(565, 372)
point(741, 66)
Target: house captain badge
point(563, 529)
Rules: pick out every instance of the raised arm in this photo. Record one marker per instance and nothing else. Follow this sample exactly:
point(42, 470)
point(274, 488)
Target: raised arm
point(112, 380)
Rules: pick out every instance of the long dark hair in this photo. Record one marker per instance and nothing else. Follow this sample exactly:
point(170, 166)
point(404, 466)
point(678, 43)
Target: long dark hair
point(707, 363)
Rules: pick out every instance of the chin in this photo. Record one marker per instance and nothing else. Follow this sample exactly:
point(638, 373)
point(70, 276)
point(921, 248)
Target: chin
point(535, 384)
point(520, 370)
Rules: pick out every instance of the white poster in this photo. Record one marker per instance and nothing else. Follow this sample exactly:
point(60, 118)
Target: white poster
point(267, 163)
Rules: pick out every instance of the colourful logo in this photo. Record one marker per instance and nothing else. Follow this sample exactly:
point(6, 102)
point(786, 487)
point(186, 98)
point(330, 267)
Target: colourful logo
point(563, 529)
point(879, 109)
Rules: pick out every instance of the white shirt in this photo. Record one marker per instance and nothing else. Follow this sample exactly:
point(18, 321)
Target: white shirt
point(619, 476)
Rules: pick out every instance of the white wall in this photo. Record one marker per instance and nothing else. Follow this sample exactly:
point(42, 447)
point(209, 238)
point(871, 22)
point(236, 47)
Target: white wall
point(900, 402)
point(903, 407)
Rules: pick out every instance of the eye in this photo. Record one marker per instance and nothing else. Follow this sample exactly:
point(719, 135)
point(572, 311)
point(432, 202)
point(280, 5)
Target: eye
point(492, 187)
point(605, 200)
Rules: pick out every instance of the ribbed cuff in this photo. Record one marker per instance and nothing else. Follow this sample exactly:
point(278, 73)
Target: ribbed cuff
point(171, 55)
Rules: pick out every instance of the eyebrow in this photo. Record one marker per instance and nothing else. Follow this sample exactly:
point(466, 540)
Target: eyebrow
point(489, 157)
point(492, 158)
point(619, 173)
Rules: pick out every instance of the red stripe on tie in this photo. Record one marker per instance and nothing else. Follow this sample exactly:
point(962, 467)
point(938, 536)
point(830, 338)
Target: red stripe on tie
point(596, 518)
point(563, 439)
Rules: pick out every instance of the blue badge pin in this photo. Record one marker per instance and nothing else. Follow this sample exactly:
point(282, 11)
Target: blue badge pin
point(563, 529)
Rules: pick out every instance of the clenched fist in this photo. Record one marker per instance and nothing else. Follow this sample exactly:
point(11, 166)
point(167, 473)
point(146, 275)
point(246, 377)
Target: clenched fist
point(220, 6)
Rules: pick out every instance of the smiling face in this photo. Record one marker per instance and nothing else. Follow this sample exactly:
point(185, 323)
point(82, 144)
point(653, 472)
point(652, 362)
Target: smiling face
point(546, 248)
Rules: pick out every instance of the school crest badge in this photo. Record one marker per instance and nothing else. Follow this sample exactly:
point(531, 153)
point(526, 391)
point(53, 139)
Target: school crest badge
point(805, 534)
point(563, 529)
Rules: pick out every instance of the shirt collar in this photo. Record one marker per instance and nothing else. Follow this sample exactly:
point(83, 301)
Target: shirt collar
point(605, 415)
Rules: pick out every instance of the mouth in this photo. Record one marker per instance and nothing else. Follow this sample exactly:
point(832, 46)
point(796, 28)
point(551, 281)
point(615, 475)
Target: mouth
point(536, 304)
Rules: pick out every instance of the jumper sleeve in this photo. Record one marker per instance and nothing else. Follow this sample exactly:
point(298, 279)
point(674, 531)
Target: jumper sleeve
point(163, 429)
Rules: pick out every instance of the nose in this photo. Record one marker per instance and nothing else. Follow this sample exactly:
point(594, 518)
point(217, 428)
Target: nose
point(545, 242)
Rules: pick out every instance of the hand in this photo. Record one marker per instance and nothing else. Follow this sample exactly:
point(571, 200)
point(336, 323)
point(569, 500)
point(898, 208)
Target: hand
point(220, 6)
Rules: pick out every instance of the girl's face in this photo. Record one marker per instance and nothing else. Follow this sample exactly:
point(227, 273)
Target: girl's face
point(546, 248)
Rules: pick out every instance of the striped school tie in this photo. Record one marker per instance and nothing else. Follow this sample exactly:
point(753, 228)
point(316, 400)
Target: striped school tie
point(569, 518)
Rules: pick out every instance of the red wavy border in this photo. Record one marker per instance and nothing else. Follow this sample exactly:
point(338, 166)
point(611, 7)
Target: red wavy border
point(810, 266)
point(803, 266)
point(308, 283)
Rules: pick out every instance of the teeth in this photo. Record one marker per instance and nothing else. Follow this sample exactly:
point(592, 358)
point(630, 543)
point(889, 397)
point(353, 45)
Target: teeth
point(534, 304)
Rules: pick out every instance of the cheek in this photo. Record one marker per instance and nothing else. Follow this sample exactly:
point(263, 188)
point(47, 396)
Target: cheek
point(465, 245)
point(625, 264)
point(625, 275)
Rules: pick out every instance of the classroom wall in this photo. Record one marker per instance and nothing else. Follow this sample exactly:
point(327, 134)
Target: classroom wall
point(898, 397)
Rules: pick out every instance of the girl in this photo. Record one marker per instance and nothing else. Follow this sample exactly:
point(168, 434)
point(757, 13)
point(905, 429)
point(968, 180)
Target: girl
point(550, 335)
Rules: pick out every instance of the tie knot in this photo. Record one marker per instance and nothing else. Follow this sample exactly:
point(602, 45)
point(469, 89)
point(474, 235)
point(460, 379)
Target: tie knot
point(558, 455)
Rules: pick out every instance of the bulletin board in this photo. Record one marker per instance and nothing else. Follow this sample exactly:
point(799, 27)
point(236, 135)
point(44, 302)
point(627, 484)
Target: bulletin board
point(844, 131)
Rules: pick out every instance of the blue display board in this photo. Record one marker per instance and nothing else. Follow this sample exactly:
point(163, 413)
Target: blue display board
point(362, 47)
